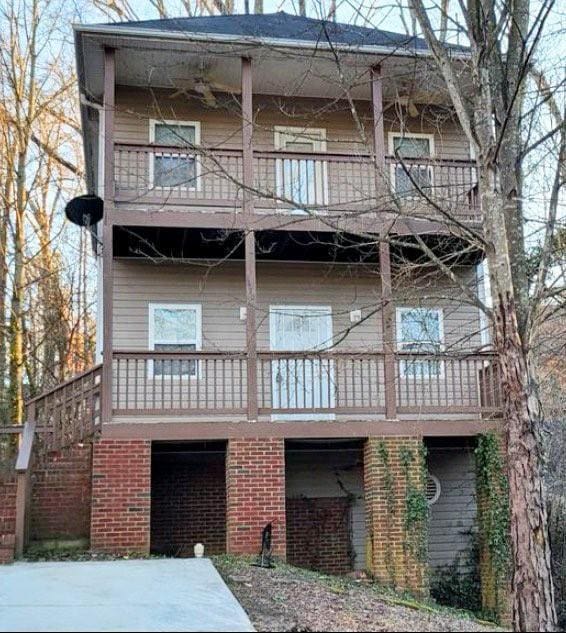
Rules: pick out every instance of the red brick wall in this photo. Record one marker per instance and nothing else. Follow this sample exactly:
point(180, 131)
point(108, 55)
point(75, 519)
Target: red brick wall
point(7, 519)
point(318, 534)
point(388, 556)
point(61, 495)
point(188, 503)
point(255, 480)
point(121, 490)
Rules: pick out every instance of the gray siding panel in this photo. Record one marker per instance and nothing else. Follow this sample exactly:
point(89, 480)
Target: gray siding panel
point(453, 516)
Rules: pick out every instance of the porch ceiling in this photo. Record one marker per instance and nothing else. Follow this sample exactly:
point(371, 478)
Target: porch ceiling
point(175, 63)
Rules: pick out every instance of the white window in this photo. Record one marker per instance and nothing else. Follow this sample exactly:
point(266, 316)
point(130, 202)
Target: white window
point(409, 177)
point(174, 327)
point(173, 168)
point(301, 180)
point(420, 331)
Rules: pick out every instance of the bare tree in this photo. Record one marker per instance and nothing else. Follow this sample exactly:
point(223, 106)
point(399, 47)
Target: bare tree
point(503, 42)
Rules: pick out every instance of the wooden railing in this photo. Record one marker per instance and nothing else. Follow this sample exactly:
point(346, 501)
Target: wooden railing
point(199, 383)
point(301, 383)
point(163, 174)
point(291, 181)
point(70, 412)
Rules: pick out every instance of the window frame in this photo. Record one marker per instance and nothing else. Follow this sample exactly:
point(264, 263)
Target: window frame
point(153, 123)
point(398, 324)
point(197, 308)
point(391, 146)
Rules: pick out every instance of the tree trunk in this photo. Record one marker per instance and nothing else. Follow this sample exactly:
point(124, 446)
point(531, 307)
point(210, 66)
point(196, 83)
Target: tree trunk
point(531, 581)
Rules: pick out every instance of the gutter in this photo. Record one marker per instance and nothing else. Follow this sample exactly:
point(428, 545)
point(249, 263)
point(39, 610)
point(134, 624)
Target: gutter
point(173, 36)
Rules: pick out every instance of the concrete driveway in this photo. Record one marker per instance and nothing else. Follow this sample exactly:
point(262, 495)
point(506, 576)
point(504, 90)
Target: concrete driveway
point(132, 595)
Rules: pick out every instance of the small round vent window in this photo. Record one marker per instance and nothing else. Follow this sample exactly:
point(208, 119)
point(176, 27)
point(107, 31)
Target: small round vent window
point(432, 489)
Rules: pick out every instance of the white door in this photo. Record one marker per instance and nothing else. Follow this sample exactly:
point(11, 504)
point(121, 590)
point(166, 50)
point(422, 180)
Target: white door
point(305, 384)
point(301, 180)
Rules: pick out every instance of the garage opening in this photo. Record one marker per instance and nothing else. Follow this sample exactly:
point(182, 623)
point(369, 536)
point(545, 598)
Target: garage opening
point(188, 497)
point(453, 530)
point(325, 505)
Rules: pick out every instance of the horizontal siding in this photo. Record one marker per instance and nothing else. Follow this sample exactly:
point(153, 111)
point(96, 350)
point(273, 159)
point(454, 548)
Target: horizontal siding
point(453, 516)
point(221, 292)
point(221, 126)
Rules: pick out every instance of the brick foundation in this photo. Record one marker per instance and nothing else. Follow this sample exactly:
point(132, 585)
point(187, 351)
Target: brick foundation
point(121, 491)
point(389, 558)
point(319, 535)
point(61, 495)
point(7, 519)
point(255, 483)
point(188, 503)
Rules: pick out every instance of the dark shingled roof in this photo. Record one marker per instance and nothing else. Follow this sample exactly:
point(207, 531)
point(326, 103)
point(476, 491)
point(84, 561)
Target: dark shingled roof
point(283, 26)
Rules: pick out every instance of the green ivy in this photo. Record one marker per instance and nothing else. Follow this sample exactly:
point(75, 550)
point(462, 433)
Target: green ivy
point(493, 488)
point(416, 506)
point(383, 453)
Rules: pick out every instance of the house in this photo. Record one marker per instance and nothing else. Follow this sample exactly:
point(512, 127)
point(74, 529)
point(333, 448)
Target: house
point(273, 348)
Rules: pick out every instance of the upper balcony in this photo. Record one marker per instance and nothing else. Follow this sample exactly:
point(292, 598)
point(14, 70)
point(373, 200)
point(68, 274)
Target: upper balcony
point(247, 120)
point(329, 185)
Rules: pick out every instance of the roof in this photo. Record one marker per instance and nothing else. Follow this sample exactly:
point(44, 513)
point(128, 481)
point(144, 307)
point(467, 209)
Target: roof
point(281, 25)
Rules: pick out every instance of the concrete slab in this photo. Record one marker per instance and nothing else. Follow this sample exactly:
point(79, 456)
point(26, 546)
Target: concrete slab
point(132, 595)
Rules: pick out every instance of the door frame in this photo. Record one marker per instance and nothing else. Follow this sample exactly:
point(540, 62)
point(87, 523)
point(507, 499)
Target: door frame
point(282, 307)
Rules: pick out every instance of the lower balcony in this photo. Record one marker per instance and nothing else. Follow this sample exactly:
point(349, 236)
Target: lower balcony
point(303, 385)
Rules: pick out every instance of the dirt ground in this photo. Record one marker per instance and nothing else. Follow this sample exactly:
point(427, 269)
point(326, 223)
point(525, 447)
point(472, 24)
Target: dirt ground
point(289, 599)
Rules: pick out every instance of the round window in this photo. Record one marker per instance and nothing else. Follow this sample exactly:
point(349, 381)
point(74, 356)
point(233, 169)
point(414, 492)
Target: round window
point(432, 489)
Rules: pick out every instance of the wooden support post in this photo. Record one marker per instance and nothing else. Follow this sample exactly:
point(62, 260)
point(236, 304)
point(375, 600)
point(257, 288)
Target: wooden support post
point(388, 328)
point(387, 306)
point(107, 232)
point(247, 208)
point(378, 130)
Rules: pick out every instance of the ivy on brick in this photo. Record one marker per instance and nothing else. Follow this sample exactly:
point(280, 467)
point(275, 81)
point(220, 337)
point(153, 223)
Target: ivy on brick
point(493, 491)
point(388, 486)
point(413, 463)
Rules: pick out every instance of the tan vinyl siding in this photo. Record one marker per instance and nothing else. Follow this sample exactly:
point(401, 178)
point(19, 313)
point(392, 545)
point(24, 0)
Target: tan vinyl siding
point(221, 292)
point(221, 126)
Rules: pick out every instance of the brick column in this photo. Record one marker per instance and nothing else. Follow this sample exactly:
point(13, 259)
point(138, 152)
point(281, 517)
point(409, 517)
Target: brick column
point(255, 486)
point(121, 496)
point(392, 554)
point(495, 582)
point(7, 520)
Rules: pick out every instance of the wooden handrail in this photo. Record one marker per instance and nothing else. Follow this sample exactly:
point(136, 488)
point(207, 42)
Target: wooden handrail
point(64, 384)
point(347, 156)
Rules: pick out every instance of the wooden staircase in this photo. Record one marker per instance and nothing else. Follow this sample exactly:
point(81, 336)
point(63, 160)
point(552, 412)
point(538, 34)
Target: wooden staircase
point(57, 419)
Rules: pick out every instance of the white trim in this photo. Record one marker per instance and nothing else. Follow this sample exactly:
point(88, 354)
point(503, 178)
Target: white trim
point(283, 133)
point(399, 311)
point(300, 132)
point(175, 123)
point(391, 147)
point(130, 32)
point(393, 135)
point(436, 497)
point(482, 281)
point(325, 311)
point(196, 308)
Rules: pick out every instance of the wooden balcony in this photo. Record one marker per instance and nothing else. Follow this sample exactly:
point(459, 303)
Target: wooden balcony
point(302, 384)
point(146, 176)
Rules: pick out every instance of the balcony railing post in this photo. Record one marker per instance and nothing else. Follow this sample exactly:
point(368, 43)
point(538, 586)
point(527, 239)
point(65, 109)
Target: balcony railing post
point(107, 253)
point(388, 328)
point(251, 292)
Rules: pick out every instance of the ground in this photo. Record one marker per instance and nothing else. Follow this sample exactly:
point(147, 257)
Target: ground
point(290, 599)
